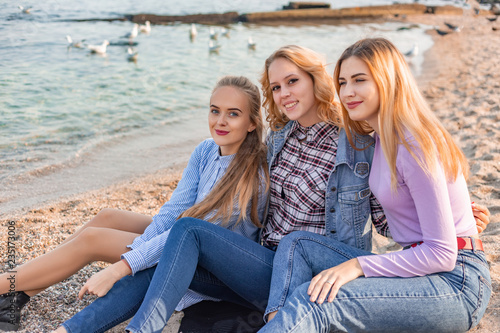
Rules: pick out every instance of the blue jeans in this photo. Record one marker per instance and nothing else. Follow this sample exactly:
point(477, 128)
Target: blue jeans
point(242, 266)
point(119, 304)
point(194, 249)
point(444, 302)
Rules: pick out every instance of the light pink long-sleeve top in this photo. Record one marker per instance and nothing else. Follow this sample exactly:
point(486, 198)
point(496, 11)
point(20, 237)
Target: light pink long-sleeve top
point(425, 208)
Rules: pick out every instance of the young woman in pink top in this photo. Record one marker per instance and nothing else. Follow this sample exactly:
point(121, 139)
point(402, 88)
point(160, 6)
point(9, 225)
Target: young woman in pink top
point(440, 281)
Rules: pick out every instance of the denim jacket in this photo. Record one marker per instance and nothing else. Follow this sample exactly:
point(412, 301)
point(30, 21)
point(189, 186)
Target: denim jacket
point(347, 211)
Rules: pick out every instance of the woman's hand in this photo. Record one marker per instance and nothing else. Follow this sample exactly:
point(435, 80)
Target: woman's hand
point(330, 280)
point(482, 216)
point(100, 283)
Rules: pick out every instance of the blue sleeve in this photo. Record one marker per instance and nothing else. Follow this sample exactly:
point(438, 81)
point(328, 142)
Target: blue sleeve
point(145, 246)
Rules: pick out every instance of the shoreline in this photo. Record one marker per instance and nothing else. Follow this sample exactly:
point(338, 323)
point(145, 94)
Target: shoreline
point(458, 80)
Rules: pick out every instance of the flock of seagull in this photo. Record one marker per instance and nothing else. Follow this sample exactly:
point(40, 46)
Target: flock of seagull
point(213, 45)
point(101, 49)
point(132, 54)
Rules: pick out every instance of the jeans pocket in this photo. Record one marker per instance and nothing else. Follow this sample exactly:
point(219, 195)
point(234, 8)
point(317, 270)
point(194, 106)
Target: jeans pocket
point(484, 295)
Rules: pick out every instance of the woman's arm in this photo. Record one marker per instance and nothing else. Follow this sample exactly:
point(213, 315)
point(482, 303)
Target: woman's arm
point(481, 215)
point(432, 208)
point(100, 283)
point(183, 197)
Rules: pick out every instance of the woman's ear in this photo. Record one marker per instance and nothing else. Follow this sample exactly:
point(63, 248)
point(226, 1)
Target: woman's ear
point(252, 127)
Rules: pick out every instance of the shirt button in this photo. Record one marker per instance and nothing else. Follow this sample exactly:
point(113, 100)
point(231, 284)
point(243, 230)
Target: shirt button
point(334, 189)
point(332, 231)
point(332, 210)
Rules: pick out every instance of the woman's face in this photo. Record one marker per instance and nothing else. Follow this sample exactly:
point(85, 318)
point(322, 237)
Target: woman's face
point(359, 92)
point(293, 92)
point(229, 119)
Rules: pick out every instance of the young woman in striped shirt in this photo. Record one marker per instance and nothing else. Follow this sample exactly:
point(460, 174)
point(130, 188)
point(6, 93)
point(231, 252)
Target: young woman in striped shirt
point(440, 281)
point(224, 182)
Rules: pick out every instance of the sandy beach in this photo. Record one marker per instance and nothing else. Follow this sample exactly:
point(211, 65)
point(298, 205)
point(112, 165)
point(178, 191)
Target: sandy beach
point(460, 80)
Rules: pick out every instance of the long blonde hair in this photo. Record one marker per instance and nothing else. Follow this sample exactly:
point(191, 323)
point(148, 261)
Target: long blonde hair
point(311, 63)
point(402, 110)
point(244, 175)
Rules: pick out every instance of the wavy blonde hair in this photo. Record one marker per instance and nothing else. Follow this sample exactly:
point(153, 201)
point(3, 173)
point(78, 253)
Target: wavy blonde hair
point(311, 63)
point(244, 175)
point(402, 110)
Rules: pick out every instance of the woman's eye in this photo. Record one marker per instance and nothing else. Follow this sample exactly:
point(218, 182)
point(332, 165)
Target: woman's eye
point(214, 111)
point(234, 114)
point(292, 81)
point(360, 80)
point(275, 88)
point(342, 83)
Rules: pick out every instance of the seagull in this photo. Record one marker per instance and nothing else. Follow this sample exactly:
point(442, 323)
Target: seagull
point(193, 32)
point(412, 53)
point(452, 27)
point(441, 32)
point(213, 34)
point(132, 55)
point(251, 43)
point(78, 45)
point(213, 48)
point(99, 49)
point(146, 28)
point(133, 33)
point(224, 32)
point(25, 10)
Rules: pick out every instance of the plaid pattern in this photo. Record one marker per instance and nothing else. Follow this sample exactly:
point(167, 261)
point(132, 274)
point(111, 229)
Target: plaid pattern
point(299, 177)
point(378, 217)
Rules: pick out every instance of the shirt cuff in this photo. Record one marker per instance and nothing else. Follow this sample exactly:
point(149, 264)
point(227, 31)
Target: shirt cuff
point(134, 260)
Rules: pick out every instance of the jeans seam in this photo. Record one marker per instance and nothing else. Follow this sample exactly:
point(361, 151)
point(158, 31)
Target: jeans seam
point(115, 322)
point(479, 303)
point(107, 326)
point(184, 235)
point(326, 245)
point(304, 317)
point(286, 288)
point(233, 244)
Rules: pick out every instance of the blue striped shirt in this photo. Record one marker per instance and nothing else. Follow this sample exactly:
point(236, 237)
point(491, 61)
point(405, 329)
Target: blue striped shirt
point(204, 169)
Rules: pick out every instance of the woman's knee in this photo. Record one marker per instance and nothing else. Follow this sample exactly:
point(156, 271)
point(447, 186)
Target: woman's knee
point(188, 222)
point(294, 238)
point(90, 237)
point(107, 217)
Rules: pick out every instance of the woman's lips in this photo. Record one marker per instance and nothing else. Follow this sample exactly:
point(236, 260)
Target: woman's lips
point(290, 105)
point(219, 132)
point(352, 105)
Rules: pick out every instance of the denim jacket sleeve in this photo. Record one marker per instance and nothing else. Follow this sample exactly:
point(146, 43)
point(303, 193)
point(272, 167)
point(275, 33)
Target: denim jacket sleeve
point(348, 195)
